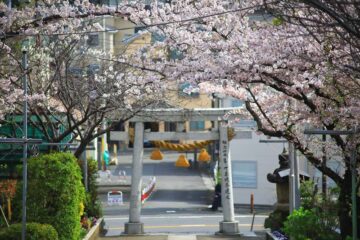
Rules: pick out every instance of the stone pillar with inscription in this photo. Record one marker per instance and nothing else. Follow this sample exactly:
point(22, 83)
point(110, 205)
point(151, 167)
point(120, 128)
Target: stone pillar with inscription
point(228, 226)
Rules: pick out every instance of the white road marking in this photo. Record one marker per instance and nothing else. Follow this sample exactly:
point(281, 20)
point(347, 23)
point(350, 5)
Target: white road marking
point(183, 217)
point(192, 225)
point(260, 226)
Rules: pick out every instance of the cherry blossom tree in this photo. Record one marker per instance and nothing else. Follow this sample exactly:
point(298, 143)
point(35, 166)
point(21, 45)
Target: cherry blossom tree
point(72, 88)
point(294, 66)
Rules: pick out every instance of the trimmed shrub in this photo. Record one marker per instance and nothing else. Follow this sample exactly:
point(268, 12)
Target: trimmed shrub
point(55, 193)
point(34, 231)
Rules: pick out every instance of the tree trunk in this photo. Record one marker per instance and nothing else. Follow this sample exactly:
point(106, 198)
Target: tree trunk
point(344, 211)
point(82, 147)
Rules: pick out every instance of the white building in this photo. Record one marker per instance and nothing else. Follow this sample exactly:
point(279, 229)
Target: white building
point(251, 162)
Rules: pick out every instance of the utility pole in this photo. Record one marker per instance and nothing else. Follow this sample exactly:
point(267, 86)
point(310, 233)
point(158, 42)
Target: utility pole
point(25, 146)
point(104, 146)
point(294, 178)
point(353, 171)
point(353, 193)
point(323, 177)
point(85, 166)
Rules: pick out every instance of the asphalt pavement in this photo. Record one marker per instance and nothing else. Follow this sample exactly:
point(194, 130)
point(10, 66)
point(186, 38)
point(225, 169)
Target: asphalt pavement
point(177, 208)
point(260, 236)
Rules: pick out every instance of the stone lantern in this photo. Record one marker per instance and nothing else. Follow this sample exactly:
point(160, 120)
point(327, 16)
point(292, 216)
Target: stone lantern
point(280, 177)
point(282, 182)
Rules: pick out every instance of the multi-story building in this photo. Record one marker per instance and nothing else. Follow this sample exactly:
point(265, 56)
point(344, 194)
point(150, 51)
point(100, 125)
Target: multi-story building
point(117, 37)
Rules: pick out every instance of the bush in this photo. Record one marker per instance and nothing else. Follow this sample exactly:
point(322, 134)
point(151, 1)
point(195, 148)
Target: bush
point(311, 224)
point(317, 218)
point(276, 220)
point(55, 193)
point(34, 231)
point(309, 195)
point(83, 233)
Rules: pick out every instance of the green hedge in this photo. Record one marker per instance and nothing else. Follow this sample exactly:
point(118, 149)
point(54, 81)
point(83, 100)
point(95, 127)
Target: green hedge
point(34, 231)
point(55, 193)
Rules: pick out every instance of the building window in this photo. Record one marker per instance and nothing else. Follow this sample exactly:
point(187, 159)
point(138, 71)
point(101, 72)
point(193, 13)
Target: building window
point(245, 124)
point(236, 103)
point(75, 71)
point(189, 90)
point(197, 125)
point(139, 28)
point(244, 174)
point(92, 69)
point(113, 2)
point(175, 54)
point(170, 126)
point(93, 40)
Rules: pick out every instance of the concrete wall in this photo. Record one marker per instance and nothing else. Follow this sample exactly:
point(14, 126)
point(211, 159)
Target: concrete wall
point(266, 157)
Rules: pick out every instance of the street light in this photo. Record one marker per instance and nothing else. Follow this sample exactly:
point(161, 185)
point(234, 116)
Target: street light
point(352, 166)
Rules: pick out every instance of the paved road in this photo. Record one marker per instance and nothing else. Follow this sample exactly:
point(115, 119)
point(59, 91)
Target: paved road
point(178, 205)
point(179, 223)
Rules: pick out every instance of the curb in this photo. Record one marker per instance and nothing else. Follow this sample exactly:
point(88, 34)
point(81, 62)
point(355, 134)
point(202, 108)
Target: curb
point(94, 231)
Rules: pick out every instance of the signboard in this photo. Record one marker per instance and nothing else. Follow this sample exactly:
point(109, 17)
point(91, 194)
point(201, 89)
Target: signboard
point(115, 198)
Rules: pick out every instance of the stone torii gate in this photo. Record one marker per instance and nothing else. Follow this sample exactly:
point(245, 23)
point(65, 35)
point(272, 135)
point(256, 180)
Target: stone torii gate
point(220, 115)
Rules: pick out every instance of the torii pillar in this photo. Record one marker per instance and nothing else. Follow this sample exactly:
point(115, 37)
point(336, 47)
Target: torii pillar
point(135, 226)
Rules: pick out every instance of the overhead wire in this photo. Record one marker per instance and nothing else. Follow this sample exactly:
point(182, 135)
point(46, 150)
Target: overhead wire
point(133, 27)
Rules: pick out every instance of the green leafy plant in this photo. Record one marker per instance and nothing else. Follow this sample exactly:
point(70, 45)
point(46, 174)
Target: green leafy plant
point(34, 231)
point(83, 233)
point(317, 218)
point(275, 220)
point(92, 203)
point(309, 195)
point(55, 193)
point(305, 224)
point(277, 21)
